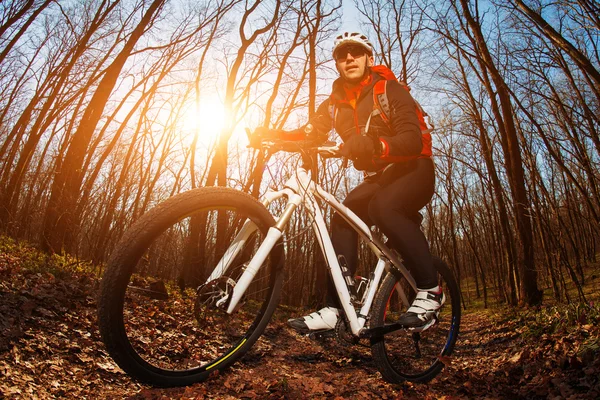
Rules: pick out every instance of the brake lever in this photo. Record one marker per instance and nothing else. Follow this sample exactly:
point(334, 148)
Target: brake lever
point(328, 153)
point(267, 144)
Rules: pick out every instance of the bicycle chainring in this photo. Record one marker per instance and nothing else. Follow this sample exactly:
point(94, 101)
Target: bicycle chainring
point(343, 334)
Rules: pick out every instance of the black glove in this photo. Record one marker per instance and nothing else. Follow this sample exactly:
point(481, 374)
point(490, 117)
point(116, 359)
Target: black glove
point(361, 147)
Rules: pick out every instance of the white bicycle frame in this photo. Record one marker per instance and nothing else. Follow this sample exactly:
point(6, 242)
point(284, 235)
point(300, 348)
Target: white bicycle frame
point(300, 189)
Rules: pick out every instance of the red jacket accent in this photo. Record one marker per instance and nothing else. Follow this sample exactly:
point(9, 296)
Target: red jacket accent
point(403, 132)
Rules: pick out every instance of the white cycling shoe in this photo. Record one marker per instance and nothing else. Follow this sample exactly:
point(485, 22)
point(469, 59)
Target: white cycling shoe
point(322, 320)
point(424, 308)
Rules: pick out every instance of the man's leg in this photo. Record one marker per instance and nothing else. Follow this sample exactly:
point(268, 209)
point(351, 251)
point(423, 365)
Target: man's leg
point(394, 209)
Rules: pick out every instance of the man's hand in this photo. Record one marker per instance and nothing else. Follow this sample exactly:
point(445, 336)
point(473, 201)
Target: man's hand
point(360, 147)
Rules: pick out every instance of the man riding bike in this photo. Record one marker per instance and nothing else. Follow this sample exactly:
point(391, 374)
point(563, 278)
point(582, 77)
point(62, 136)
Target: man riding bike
point(395, 152)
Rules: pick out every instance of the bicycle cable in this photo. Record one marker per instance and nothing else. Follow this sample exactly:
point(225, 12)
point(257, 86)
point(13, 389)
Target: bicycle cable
point(318, 233)
point(304, 192)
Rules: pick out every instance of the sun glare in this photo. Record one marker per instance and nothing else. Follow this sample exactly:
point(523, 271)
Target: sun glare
point(207, 119)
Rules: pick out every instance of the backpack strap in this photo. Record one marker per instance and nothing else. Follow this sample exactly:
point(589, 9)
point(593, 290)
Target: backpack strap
point(332, 112)
point(381, 104)
point(424, 119)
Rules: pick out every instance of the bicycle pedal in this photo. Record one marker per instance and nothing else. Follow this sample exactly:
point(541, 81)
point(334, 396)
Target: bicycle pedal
point(320, 335)
point(424, 327)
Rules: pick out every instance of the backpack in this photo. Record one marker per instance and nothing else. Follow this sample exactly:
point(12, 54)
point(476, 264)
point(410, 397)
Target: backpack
point(381, 106)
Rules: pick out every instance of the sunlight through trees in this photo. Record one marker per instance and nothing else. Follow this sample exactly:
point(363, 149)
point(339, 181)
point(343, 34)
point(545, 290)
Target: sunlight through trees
point(109, 107)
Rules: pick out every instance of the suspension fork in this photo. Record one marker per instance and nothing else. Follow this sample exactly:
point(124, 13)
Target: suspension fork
point(231, 253)
point(273, 235)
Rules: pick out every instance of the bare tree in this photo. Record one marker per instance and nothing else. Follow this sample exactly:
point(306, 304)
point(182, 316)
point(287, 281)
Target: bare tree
point(399, 31)
point(559, 41)
point(58, 222)
point(14, 15)
point(54, 85)
point(218, 167)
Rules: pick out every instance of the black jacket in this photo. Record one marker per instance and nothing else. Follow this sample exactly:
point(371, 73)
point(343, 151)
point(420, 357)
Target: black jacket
point(402, 136)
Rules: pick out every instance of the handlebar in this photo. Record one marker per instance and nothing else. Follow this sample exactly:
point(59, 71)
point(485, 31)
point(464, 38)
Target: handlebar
point(329, 150)
point(326, 149)
point(309, 149)
point(306, 143)
point(272, 141)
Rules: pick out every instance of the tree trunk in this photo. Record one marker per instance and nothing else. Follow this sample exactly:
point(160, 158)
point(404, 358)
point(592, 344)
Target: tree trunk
point(59, 226)
point(514, 166)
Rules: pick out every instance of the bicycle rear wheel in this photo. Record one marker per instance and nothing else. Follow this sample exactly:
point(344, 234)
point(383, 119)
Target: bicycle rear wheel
point(159, 318)
point(414, 356)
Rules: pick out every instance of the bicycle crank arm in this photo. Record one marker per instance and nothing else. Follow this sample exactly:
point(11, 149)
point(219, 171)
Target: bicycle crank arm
point(393, 328)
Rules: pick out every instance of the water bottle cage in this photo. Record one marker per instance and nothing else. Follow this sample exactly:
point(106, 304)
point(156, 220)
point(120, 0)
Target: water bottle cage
point(348, 278)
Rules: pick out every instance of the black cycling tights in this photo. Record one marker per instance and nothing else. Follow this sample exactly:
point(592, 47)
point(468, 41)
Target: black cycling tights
point(391, 200)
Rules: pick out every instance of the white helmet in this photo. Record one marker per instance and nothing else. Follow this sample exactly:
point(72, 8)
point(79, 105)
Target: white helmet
point(354, 38)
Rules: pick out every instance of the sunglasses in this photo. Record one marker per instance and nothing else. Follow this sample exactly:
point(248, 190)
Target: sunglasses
point(355, 51)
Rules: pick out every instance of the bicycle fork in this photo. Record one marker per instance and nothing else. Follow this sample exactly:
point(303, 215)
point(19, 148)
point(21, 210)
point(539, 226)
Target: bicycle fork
point(272, 237)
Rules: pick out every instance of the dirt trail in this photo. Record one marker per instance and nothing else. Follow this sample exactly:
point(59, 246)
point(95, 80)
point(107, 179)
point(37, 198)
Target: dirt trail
point(50, 348)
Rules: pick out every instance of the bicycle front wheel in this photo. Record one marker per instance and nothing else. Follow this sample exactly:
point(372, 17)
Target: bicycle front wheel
point(165, 293)
point(406, 355)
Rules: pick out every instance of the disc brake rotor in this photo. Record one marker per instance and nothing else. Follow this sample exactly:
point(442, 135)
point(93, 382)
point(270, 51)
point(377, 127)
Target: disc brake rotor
point(212, 298)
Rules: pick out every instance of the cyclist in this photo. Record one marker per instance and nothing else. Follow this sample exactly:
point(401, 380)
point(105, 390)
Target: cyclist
point(399, 175)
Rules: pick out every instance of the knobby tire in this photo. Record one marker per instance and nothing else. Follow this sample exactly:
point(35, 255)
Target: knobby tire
point(396, 354)
point(132, 313)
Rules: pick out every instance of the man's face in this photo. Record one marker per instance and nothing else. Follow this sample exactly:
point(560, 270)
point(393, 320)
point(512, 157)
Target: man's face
point(351, 62)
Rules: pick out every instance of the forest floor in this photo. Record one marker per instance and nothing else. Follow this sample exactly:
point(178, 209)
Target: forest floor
point(50, 348)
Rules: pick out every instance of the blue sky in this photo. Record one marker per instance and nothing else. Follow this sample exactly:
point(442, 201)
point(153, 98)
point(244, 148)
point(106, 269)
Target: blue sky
point(350, 17)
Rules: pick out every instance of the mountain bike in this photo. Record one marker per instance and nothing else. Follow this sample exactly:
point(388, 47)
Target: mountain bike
point(232, 244)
